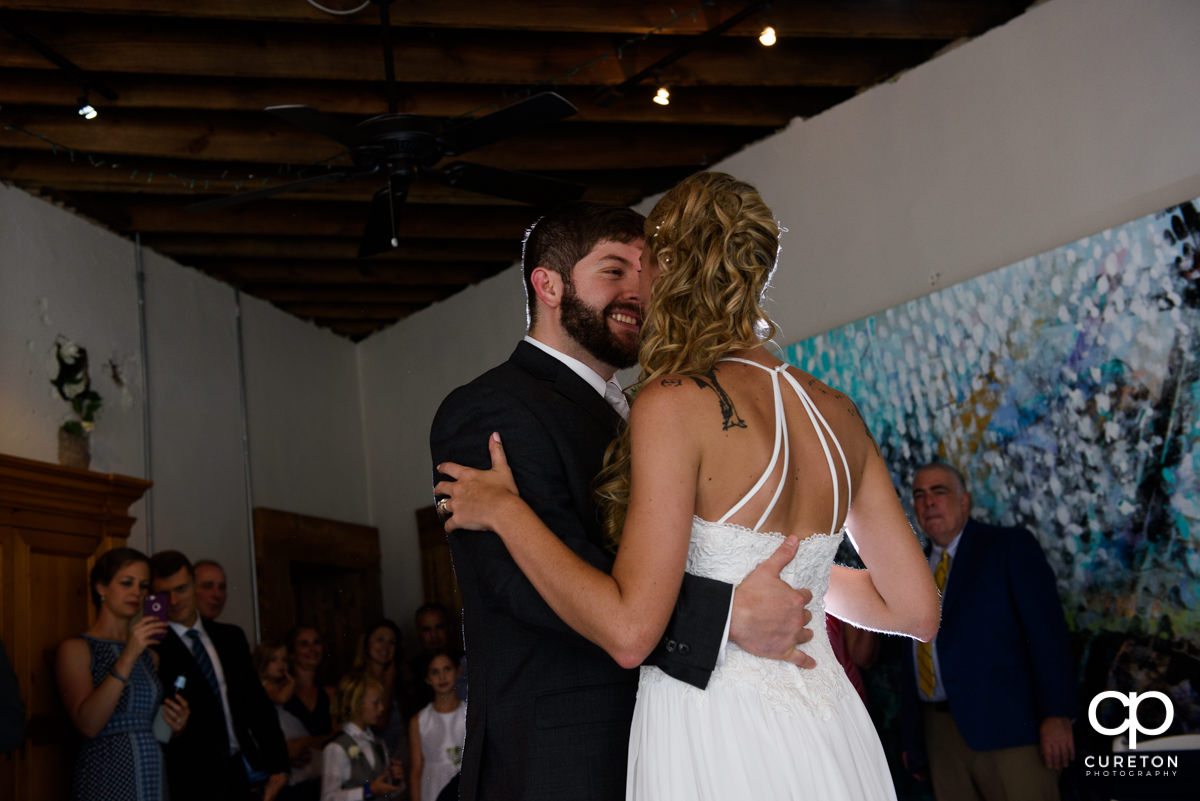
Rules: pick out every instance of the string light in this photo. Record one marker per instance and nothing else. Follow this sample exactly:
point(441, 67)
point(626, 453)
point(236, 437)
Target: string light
point(767, 37)
point(662, 97)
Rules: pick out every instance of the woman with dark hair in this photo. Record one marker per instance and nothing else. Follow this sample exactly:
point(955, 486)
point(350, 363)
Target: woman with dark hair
point(109, 684)
point(728, 453)
point(310, 702)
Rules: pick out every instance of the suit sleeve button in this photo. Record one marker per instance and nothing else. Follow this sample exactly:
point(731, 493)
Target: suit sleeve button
point(684, 648)
point(671, 646)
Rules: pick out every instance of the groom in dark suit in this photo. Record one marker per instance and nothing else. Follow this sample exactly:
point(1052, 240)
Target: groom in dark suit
point(232, 723)
point(989, 704)
point(549, 712)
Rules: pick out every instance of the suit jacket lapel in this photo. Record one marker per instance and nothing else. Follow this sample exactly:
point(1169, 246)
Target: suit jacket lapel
point(542, 365)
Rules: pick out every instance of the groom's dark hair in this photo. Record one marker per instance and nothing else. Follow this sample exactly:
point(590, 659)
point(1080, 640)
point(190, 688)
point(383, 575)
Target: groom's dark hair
point(560, 239)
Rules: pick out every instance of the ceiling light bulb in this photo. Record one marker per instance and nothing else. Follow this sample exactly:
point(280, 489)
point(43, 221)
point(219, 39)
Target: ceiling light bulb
point(767, 37)
point(88, 112)
point(663, 97)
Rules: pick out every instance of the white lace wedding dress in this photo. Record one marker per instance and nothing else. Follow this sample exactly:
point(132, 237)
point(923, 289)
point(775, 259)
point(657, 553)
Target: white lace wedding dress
point(762, 729)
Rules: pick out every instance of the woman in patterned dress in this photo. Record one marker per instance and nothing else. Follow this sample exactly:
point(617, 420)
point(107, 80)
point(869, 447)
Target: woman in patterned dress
point(109, 684)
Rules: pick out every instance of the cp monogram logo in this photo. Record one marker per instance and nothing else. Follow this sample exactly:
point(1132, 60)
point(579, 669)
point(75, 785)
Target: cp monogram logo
point(1131, 701)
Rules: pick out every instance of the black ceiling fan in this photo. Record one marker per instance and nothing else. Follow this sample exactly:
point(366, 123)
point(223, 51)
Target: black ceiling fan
point(398, 147)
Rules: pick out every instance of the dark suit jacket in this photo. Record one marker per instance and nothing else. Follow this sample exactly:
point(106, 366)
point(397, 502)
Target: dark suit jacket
point(198, 758)
point(548, 712)
point(1002, 647)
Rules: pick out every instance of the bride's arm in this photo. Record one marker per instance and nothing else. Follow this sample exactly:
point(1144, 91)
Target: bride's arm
point(624, 613)
point(896, 592)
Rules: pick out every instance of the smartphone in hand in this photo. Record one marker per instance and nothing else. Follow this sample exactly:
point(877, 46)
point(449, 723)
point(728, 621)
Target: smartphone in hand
point(160, 727)
point(155, 605)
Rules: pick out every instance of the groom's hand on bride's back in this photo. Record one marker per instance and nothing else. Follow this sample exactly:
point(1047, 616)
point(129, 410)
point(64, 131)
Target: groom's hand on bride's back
point(769, 617)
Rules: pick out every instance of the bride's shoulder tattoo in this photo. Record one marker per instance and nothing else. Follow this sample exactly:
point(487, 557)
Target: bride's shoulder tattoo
point(729, 416)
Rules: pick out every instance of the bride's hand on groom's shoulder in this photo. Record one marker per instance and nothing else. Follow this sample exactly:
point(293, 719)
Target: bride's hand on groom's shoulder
point(473, 498)
point(770, 619)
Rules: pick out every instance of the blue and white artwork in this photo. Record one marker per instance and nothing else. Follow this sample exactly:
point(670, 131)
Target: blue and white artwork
point(1066, 387)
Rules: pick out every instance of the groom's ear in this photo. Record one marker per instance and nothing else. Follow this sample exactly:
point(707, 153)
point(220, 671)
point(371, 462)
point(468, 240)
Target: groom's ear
point(548, 286)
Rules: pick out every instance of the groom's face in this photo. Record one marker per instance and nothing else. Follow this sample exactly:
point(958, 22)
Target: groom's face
point(600, 308)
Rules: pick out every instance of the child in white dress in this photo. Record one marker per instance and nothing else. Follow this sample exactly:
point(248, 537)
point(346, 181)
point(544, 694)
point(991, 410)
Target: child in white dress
point(437, 732)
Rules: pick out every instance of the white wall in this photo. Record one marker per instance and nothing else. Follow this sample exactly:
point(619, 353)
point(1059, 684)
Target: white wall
point(61, 274)
point(405, 372)
point(304, 414)
point(1077, 115)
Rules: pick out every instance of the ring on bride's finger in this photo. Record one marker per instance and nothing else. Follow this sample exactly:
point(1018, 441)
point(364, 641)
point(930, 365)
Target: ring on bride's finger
point(441, 507)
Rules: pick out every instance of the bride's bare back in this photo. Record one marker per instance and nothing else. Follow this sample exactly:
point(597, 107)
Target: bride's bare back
point(733, 415)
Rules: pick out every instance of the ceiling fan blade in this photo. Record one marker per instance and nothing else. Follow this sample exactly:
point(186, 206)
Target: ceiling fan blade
point(318, 122)
point(517, 118)
point(380, 233)
point(526, 187)
point(258, 194)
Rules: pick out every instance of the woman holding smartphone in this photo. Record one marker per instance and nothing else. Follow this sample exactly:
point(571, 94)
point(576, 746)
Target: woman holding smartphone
point(109, 684)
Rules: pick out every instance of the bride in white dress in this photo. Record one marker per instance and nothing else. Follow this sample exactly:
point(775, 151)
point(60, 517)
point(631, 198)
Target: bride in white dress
point(728, 451)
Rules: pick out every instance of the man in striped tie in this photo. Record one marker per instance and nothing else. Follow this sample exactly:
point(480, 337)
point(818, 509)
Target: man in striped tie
point(990, 701)
point(233, 728)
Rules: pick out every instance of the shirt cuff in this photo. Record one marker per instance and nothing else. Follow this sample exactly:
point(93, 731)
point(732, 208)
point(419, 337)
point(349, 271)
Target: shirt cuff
point(725, 635)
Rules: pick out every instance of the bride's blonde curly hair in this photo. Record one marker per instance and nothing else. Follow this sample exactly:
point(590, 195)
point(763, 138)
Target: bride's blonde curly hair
point(716, 243)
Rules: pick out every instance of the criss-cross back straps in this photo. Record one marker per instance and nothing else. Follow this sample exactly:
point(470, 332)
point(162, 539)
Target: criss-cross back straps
point(820, 425)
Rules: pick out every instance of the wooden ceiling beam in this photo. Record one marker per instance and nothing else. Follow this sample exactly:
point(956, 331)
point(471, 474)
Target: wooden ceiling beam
point(359, 272)
point(178, 47)
point(236, 139)
point(694, 105)
point(350, 311)
point(273, 217)
point(456, 248)
point(276, 293)
point(38, 171)
point(914, 19)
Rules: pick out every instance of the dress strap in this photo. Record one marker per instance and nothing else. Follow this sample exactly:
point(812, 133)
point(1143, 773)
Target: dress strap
point(824, 434)
point(818, 420)
point(781, 443)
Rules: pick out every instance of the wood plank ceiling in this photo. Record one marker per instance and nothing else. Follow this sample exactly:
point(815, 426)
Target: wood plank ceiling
point(191, 81)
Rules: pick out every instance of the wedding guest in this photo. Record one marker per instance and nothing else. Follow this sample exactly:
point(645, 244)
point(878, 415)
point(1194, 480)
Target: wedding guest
point(356, 764)
point(310, 702)
point(233, 739)
point(379, 656)
point(437, 732)
point(988, 703)
point(210, 588)
point(109, 684)
point(304, 750)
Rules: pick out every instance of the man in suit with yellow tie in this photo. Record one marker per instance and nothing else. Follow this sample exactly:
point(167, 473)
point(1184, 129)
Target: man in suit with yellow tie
point(989, 701)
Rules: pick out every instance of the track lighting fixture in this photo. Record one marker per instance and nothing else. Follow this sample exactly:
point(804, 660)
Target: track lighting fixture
point(662, 97)
point(767, 37)
point(86, 109)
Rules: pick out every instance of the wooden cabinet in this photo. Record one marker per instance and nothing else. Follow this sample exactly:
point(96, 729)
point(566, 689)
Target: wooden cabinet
point(54, 521)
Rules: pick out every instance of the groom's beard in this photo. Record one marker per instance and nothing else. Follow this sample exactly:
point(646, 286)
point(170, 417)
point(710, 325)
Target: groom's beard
point(589, 328)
